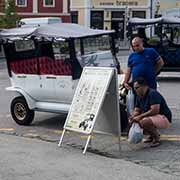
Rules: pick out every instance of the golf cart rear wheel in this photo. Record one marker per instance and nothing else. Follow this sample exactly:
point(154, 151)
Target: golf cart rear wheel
point(20, 111)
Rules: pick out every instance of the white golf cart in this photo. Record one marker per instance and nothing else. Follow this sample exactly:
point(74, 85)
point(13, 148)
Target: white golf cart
point(45, 63)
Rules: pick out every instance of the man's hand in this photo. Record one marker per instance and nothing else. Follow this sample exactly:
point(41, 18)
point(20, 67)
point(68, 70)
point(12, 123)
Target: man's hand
point(159, 64)
point(126, 78)
point(126, 85)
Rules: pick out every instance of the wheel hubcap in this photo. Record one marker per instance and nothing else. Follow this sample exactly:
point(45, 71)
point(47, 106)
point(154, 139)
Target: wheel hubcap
point(20, 111)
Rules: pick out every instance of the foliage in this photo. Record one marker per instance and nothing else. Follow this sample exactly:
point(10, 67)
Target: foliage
point(10, 16)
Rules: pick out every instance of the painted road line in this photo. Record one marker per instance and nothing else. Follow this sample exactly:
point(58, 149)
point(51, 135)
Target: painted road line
point(173, 137)
point(7, 129)
point(170, 137)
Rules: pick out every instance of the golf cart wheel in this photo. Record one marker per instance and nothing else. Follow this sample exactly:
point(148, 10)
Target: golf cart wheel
point(20, 111)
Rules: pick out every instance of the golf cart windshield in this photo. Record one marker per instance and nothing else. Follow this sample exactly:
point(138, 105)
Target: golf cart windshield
point(95, 51)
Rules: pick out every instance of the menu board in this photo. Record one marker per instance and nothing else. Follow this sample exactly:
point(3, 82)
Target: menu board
point(88, 98)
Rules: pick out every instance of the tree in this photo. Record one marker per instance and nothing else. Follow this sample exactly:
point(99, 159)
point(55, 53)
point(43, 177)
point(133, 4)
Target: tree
point(10, 16)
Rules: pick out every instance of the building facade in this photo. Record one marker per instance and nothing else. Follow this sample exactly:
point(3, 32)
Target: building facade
point(109, 14)
point(169, 7)
point(113, 14)
point(41, 8)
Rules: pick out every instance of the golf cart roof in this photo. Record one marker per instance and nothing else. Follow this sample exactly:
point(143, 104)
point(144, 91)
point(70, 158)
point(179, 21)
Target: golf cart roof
point(161, 20)
point(57, 31)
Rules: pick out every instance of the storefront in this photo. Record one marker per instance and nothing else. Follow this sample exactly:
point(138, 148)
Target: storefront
point(110, 14)
point(169, 8)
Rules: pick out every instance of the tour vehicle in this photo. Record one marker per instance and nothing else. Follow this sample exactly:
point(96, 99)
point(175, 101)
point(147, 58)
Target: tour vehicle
point(161, 33)
point(38, 21)
point(45, 63)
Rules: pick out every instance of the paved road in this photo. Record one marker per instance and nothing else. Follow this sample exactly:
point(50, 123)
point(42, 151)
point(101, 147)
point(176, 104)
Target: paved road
point(28, 159)
point(48, 127)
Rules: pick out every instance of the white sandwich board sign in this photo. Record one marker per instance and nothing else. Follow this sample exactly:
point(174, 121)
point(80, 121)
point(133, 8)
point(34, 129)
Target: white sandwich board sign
point(95, 105)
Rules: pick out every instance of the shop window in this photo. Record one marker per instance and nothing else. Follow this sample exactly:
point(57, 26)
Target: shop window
point(117, 15)
point(97, 19)
point(139, 14)
point(48, 3)
point(21, 3)
point(74, 17)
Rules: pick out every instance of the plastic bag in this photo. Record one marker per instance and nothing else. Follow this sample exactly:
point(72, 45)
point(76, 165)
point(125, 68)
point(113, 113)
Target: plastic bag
point(135, 134)
point(130, 102)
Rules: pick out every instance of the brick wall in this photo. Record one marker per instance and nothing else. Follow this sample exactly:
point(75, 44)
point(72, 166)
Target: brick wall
point(2, 4)
point(57, 10)
point(28, 9)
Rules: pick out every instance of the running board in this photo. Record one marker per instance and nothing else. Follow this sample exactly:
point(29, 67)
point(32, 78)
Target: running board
point(52, 107)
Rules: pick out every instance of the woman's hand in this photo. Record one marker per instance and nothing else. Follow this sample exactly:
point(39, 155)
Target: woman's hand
point(130, 120)
point(137, 118)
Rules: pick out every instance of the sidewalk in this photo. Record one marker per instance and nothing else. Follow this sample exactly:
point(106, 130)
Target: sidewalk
point(27, 159)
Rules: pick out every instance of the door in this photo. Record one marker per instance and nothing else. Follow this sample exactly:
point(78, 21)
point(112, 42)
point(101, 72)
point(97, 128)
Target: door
point(118, 26)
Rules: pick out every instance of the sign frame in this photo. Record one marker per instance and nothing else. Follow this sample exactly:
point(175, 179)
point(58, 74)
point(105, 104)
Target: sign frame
point(92, 78)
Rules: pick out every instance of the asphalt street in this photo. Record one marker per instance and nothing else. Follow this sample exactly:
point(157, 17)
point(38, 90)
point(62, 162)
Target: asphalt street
point(28, 159)
point(22, 146)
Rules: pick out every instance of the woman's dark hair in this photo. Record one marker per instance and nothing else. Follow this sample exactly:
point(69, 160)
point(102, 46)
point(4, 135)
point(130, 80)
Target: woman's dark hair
point(141, 81)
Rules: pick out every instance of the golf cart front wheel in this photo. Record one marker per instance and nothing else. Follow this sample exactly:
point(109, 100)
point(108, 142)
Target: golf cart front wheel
point(20, 111)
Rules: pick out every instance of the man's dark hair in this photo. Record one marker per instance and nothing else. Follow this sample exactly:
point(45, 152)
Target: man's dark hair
point(141, 81)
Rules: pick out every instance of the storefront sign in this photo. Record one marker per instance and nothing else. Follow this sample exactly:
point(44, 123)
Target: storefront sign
point(126, 3)
point(106, 4)
point(119, 3)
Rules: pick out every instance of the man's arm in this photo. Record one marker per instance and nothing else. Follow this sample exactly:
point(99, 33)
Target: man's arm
point(159, 65)
point(154, 110)
point(127, 77)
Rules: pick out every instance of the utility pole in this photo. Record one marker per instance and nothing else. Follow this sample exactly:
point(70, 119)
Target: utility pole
point(87, 13)
point(125, 21)
point(151, 14)
point(151, 9)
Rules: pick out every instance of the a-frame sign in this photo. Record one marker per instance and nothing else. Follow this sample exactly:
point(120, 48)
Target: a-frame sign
point(95, 106)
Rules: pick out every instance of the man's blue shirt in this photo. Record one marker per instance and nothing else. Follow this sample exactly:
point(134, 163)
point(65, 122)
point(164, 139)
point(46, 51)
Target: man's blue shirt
point(142, 64)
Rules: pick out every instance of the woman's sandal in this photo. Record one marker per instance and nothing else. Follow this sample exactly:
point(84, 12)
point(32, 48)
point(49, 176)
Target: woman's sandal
point(156, 141)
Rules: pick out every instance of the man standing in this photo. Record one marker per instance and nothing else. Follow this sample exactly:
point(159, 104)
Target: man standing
point(151, 111)
point(144, 62)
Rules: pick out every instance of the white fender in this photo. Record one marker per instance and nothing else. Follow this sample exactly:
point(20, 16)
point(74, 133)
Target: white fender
point(30, 101)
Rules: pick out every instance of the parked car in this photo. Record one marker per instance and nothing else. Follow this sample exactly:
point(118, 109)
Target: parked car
point(164, 37)
point(40, 21)
point(45, 63)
